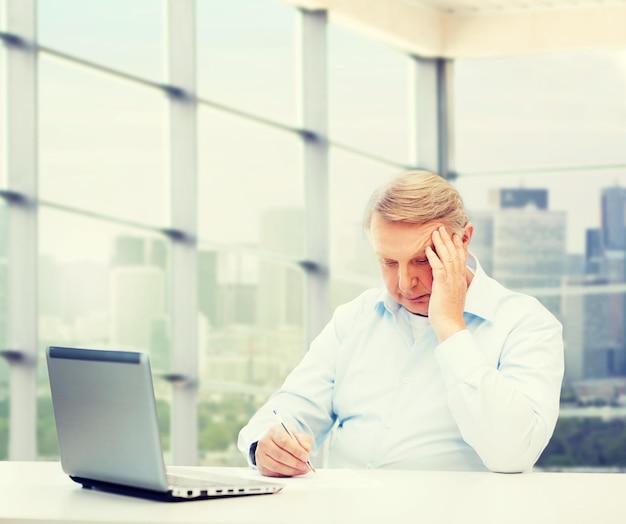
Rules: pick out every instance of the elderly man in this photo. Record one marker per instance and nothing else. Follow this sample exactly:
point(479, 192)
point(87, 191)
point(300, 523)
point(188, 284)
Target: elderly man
point(442, 369)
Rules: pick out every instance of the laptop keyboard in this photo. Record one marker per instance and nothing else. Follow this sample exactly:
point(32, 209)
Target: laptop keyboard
point(182, 481)
point(210, 480)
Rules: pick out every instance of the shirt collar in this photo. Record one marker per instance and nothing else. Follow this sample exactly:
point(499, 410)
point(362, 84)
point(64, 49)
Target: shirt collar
point(481, 295)
point(479, 300)
point(386, 300)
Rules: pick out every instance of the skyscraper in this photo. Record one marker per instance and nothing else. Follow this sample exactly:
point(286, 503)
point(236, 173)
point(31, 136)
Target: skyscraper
point(482, 241)
point(594, 349)
point(138, 298)
point(605, 254)
point(519, 198)
point(207, 285)
point(282, 231)
point(133, 250)
point(522, 244)
point(614, 217)
point(139, 294)
point(595, 252)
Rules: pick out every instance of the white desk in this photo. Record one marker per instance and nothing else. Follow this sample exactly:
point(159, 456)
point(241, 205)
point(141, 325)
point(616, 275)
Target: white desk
point(39, 492)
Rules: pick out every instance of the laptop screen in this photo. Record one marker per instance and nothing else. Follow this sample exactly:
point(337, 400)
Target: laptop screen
point(106, 416)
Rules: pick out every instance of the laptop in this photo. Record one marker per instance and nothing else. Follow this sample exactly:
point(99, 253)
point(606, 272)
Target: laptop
point(108, 433)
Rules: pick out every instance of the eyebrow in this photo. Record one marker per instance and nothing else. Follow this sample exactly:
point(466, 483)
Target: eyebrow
point(419, 254)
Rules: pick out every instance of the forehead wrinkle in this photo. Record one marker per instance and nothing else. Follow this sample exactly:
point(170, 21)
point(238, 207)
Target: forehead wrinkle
point(386, 253)
point(401, 240)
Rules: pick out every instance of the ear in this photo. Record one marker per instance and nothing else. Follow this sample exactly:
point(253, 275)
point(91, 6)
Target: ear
point(468, 231)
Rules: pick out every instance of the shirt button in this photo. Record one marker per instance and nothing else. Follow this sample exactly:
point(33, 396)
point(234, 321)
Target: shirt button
point(388, 425)
point(405, 380)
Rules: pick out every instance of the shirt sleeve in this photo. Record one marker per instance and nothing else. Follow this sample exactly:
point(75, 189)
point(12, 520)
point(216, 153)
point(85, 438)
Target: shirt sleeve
point(506, 411)
point(305, 399)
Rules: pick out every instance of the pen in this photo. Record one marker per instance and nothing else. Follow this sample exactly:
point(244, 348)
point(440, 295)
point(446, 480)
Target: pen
point(280, 421)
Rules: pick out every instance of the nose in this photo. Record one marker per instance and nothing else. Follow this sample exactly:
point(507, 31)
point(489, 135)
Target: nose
point(407, 279)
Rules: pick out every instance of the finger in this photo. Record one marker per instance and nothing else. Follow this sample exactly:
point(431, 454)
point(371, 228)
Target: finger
point(442, 248)
point(305, 441)
point(271, 466)
point(446, 248)
point(277, 440)
point(460, 250)
point(433, 259)
point(273, 459)
point(284, 442)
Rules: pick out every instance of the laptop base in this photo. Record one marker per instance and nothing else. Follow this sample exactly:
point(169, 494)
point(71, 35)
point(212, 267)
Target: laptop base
point(130, 491)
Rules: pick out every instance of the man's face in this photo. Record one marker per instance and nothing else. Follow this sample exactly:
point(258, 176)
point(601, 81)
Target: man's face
point(400, 249)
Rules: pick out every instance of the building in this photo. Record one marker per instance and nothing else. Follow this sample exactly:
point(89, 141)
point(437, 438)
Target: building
point(522, 244)
point(139, 295)
point(282, 232)
point(614, 217)
point(520, 198)
point(594, 345)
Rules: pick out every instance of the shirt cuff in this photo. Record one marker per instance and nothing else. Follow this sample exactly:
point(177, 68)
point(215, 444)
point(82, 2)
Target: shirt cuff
point(252, 453)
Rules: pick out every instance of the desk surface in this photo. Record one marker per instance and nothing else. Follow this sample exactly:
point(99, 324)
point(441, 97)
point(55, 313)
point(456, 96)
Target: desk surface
point(38, 492)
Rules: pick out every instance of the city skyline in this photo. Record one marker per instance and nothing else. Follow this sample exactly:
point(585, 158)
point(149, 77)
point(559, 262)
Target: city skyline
point(137, 268)
point(99, 236)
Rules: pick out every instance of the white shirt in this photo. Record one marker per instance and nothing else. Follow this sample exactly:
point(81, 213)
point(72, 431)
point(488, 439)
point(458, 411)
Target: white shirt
point(486, 398)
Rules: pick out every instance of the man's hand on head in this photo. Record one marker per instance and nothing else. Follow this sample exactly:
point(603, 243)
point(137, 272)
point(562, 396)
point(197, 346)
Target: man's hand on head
point(278, 455)
point(447, 301)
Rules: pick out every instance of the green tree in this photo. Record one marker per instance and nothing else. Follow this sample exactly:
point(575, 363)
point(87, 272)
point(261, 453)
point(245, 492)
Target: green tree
point(586, 442)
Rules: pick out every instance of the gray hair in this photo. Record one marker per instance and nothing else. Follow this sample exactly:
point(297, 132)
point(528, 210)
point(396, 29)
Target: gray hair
point(416, 197)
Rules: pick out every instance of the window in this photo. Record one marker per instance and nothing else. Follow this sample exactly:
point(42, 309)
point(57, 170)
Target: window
point(245, 55)
point(529, 151)
point(369, 127)
point(250, 182)
point(542, 169)
point(101, 143)
point(251, 330)
point(368, 87)
point(539, 111)
point(541, 136)
point(354, 267)
point(100, 286)
point(116, 34)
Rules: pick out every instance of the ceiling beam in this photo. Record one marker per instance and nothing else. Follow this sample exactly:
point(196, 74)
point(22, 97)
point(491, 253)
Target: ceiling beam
point(412, 28)
point(533, 31)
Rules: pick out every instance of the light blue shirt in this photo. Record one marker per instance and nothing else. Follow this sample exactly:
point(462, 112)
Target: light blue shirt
point(377, 382)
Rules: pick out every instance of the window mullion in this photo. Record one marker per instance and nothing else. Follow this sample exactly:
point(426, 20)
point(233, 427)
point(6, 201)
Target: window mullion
point(431, 115)
point(314, 110)
point(183, 182)
point(21, 162)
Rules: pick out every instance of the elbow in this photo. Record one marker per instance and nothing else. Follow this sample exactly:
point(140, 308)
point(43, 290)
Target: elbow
point(514, 449)
point(506, 459)
point(507, 454)
point(508, 466)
